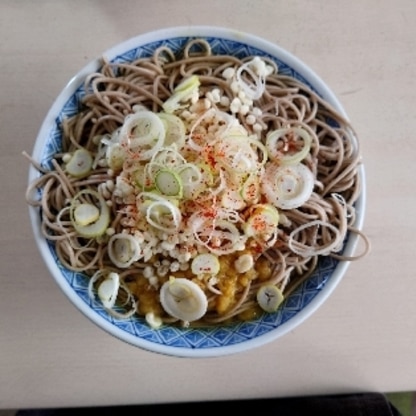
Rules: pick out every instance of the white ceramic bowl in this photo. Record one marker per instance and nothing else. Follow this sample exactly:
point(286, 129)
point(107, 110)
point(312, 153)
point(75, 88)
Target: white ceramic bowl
point(179, 341)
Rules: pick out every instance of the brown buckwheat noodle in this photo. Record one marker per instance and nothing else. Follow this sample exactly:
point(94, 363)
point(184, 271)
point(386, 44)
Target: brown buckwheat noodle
point(114, 91)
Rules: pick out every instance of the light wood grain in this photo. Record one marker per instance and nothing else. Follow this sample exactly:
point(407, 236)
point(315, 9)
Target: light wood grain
point(362, 339)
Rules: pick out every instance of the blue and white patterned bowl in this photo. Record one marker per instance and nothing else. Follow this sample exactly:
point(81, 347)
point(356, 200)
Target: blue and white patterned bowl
point(179, 341)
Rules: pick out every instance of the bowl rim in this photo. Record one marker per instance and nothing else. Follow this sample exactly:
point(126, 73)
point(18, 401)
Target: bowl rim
point(134, 42)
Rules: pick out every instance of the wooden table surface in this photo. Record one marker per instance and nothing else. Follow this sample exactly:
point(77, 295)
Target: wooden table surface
point(364, 336)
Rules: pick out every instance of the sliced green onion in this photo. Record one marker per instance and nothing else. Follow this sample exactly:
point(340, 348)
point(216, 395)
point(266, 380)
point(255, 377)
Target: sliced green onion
point(232, 199)
point(153, 320)
point(263, 221)
point(183, 299)
point(282, 145)
point(85, 214)
point(236, 154)
point(183, 92)
point(193, 180)
point(124, 249)
point(251, 81)
point(92, 229)
point(108, 290)
point(80, 163)
point(208, 117)
point(142, 179)
point(205, 263)
point(161, 213)
point(143, 133)
point(244, 263)
point(115, 156)
point(250, 191)
point(169, 183)
point(259, 147)
point(175, 129)
point(269, 297)
point(207, 174)
point(168, 156)
point(219, 237)
point(287, 187)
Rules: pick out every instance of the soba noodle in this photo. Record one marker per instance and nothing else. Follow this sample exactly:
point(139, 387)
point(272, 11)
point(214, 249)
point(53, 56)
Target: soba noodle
point(262, 104)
